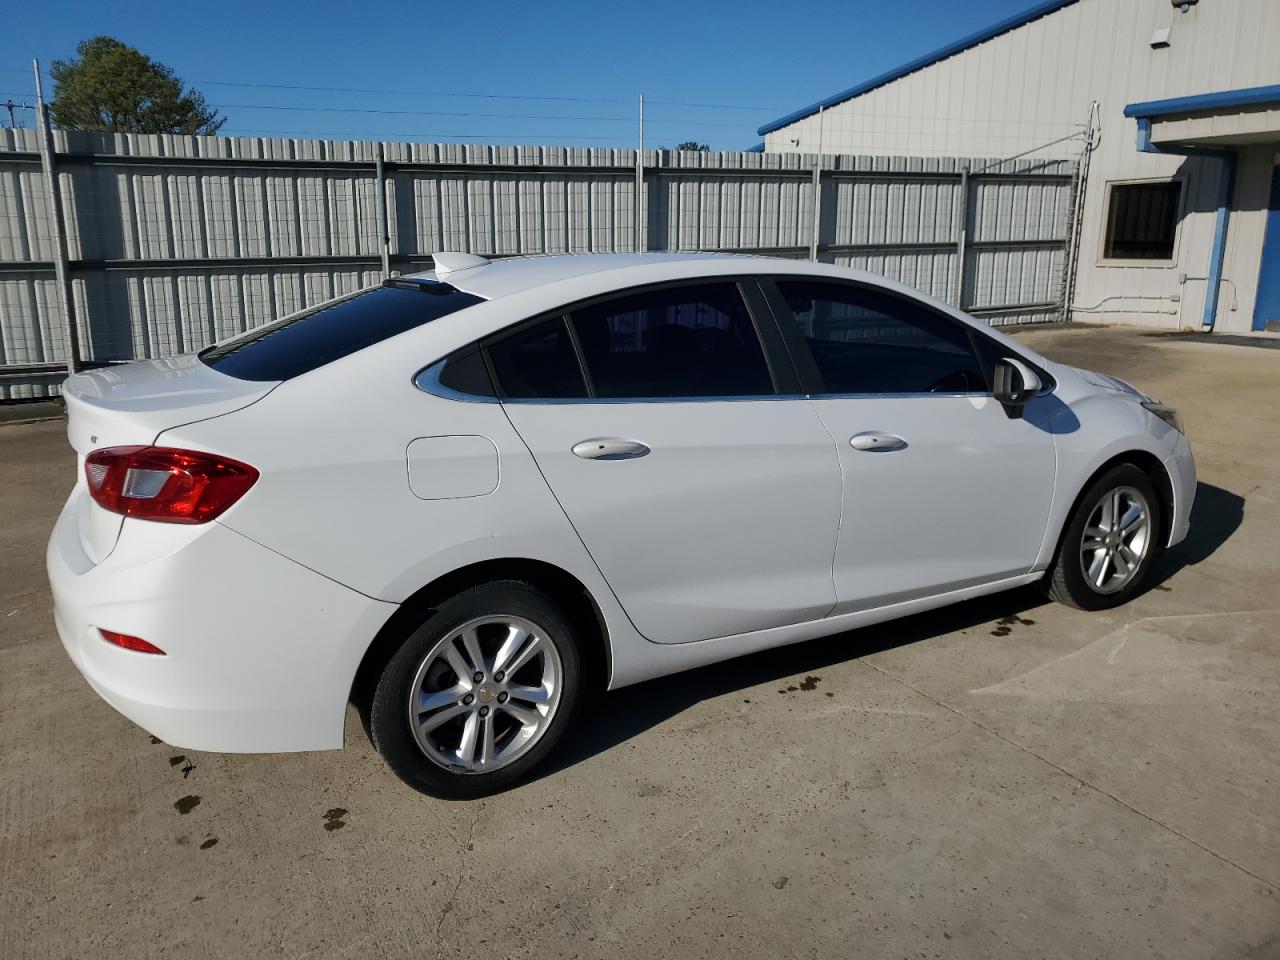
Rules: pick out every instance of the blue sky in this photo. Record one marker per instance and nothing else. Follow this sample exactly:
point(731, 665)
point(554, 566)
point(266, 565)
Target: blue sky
point(710, 71)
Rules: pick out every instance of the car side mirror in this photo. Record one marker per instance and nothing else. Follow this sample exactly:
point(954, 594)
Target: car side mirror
point(1015, 382)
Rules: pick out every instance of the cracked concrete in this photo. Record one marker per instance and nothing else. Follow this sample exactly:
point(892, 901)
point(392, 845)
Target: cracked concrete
point(1006, 778)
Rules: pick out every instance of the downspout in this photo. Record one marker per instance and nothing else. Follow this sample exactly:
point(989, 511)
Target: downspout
point(1226, 184)
point(1217, 256)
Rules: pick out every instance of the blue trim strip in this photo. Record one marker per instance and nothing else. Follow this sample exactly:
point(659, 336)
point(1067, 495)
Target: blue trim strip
point(758, 148)
point(1250, 96)
point(1042, 9)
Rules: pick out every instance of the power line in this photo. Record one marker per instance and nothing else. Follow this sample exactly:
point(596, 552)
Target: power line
point(417, 134)
point(447, 113)
point(405, 93)
point(715, 106)
point(383, 91)
point(483, 96)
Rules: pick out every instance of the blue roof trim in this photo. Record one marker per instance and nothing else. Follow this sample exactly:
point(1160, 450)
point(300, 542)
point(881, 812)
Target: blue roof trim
point(1041, 9)
point(1224, 99)
point(758, 148)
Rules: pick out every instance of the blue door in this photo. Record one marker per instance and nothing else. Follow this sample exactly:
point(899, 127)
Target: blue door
point(1266, 312)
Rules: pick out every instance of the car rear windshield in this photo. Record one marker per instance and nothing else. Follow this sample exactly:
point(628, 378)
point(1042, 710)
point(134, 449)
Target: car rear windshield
point(298, 344)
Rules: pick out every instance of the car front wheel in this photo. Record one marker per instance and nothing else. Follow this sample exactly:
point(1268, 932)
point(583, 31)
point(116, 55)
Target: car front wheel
point(1110, 542)
point(480, 693)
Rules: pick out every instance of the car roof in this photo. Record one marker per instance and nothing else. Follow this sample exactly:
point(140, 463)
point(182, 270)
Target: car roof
point(550, 281)
point(510, 275)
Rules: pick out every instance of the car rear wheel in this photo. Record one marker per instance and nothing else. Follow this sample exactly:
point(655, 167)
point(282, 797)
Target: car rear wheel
point(1110, 542)
point(480, 693)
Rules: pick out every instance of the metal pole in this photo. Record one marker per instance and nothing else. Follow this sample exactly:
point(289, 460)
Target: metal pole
point(1077, 215)
point(60, 267)
point(962, 235)
point(641, 225)
point(1226, 185)
point(817, 193)
point(384, 238)
point(10, 106)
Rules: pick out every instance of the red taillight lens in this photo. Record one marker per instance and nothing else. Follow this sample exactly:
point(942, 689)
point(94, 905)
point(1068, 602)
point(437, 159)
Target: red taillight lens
point(161, 483)
point(136, 644)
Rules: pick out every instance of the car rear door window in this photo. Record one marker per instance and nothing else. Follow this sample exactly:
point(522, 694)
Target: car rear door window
point(687, 341)
point(538, 363)
point(305, 341)
point(870, 341)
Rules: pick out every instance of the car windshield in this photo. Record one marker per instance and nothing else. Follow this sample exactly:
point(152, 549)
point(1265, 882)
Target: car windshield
point(305, 341)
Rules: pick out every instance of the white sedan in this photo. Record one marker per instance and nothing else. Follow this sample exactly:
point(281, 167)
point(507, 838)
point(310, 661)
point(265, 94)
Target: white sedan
point(464, 500)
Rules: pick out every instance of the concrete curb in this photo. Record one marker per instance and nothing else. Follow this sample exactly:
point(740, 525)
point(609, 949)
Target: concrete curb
point(12, 414)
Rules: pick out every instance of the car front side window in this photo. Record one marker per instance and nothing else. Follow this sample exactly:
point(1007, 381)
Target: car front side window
point(868, 341)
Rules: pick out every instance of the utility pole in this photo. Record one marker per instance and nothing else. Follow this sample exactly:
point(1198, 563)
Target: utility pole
point(640, 243)
point(817, 194)
point(60, 264)
point(9, 104)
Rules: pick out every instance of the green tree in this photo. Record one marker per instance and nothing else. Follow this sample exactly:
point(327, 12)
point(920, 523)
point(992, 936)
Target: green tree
point(691, 145)
point(111, 86)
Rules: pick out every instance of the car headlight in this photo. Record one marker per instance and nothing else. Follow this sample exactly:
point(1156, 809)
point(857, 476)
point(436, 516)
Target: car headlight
point(1165, 413)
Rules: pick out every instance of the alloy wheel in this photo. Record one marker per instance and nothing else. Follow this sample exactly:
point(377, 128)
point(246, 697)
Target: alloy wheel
point(485, 694)
point(1116, 539)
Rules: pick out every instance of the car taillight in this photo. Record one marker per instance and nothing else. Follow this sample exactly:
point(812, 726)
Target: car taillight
point(161, 483)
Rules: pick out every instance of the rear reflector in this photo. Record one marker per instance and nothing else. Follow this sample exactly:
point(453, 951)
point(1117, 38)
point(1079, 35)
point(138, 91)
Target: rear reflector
point(161, 483)
point(129, 643)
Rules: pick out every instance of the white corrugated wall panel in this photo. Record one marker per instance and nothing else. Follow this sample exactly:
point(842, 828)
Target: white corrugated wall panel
point(157, 212)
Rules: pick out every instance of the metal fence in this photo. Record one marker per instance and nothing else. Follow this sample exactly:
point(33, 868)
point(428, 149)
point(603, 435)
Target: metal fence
point(174, 242)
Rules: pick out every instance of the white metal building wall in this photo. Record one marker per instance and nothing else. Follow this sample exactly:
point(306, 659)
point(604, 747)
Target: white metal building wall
point(1037, 82)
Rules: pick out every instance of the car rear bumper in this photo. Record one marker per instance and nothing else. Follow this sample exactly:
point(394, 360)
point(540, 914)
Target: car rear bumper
point(260, 652)
point(1181, 467)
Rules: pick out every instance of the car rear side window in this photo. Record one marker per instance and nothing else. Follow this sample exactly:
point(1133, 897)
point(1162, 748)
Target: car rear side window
point(298, 344)
point(538, 363)
point(870, 341)
point(687, 341)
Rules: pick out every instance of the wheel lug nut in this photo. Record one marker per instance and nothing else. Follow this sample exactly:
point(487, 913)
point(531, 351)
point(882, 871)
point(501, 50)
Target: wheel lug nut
point(479, 677)
point(502, 697)
point(499, 676)
point(468, 699)
point(484, 711)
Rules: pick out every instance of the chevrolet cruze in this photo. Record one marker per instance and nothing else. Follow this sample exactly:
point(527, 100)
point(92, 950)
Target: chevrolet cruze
point(464, 500)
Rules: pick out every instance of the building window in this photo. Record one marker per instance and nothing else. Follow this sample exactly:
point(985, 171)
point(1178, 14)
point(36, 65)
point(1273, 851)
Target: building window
point(1142, 220)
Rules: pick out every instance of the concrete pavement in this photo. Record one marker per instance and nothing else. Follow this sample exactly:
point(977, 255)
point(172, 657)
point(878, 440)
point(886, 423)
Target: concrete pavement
point(1005, 778)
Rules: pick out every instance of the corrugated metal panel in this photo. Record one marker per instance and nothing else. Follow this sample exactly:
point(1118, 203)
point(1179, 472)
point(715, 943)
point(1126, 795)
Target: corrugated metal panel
point(134, 203)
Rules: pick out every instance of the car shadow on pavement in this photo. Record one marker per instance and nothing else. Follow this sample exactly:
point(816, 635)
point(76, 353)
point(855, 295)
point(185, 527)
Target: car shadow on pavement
point(1215, 516)
point(619, 715)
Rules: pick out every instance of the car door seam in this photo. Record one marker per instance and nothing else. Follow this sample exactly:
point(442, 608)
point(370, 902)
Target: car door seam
point(835, 549)
point(572, 526)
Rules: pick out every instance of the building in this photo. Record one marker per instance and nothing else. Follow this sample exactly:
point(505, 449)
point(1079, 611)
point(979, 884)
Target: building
point(1174, 111)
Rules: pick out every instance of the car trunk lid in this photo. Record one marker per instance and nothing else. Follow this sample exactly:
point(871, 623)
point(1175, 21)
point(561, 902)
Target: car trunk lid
point(132, 404)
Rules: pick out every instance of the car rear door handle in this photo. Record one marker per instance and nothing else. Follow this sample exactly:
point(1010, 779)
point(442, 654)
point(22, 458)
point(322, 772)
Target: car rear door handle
point(609, 448)
point(877, 442)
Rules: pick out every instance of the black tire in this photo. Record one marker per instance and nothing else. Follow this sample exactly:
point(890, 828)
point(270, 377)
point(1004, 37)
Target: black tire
point(389, 716)
point(1066, 580)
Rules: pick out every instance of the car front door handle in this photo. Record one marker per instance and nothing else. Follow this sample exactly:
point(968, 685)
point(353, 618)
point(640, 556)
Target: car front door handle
point(609, 448)
point(877, 442)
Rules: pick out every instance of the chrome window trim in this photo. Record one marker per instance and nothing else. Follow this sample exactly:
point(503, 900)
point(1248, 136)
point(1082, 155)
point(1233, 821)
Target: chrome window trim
point(428, 381)
point(913, 395)
point(550, 401)
point(560, 401)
